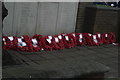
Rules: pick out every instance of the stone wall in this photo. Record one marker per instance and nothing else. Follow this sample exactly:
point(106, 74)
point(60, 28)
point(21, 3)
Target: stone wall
point(81, 15)
point(97, 19)
point(106, 21)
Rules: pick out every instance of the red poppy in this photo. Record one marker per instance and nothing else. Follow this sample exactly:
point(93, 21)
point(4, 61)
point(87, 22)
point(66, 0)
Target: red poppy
point(81, 40)
point(89, 39)
point(46, 43)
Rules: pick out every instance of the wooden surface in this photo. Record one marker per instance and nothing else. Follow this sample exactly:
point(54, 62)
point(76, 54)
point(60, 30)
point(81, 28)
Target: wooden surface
point(105, 54)
point(40, 18)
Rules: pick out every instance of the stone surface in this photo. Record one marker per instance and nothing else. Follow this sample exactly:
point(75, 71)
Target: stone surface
point(65, 63)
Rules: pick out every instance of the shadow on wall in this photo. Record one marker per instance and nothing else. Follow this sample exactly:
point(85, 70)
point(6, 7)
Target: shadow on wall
point(4, 11)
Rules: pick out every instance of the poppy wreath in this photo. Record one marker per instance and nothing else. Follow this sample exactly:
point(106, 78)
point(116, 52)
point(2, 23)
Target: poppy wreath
point(112, 37)
point(109, 38)
point(15, 43)
point(89, 39)
point(80, 39)
point(97, 39)
point(8, 42)
point(60, 42)
point(28, 41)
point(68, 42)
point(20, 44)
point(93, 40)
point(47, 43)
point(72, 36)
point(57, 42)
point(39, 41)
point(35, 45)
point(106, 38)
point(63, 40)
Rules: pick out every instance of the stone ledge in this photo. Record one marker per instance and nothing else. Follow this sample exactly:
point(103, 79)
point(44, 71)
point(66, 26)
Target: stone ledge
point(103, 8)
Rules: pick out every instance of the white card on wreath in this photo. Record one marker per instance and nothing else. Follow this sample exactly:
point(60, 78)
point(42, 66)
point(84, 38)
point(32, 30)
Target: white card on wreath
point(34, 45)
point(66, 37)
point(56, 39)
point(99, 35)
point(63, 34)
point(49, 40)
point(42, 49)
point(73, 34)
point(3, 39)
point(90, 34)
point(34, 41)
point(95, 40)
point(106, 35)
point(19, 40)
point(60, 37)
point(4, 43)
point(24, 44)
point(94, 36)
point(11, 38)
point(80, 36)
point(80, 40)
point(22, 37)
point(50, 37)
point(20, 44)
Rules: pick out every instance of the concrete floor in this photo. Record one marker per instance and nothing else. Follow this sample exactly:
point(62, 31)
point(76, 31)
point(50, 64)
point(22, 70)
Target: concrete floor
point(105, 54)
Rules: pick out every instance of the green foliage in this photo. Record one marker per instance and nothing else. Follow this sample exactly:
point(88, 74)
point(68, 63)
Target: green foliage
point(103, 5)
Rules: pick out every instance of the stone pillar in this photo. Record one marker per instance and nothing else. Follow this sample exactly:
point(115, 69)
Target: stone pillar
point(81, 15)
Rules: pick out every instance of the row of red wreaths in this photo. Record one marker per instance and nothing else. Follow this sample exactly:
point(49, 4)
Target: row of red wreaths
point(61, 41)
